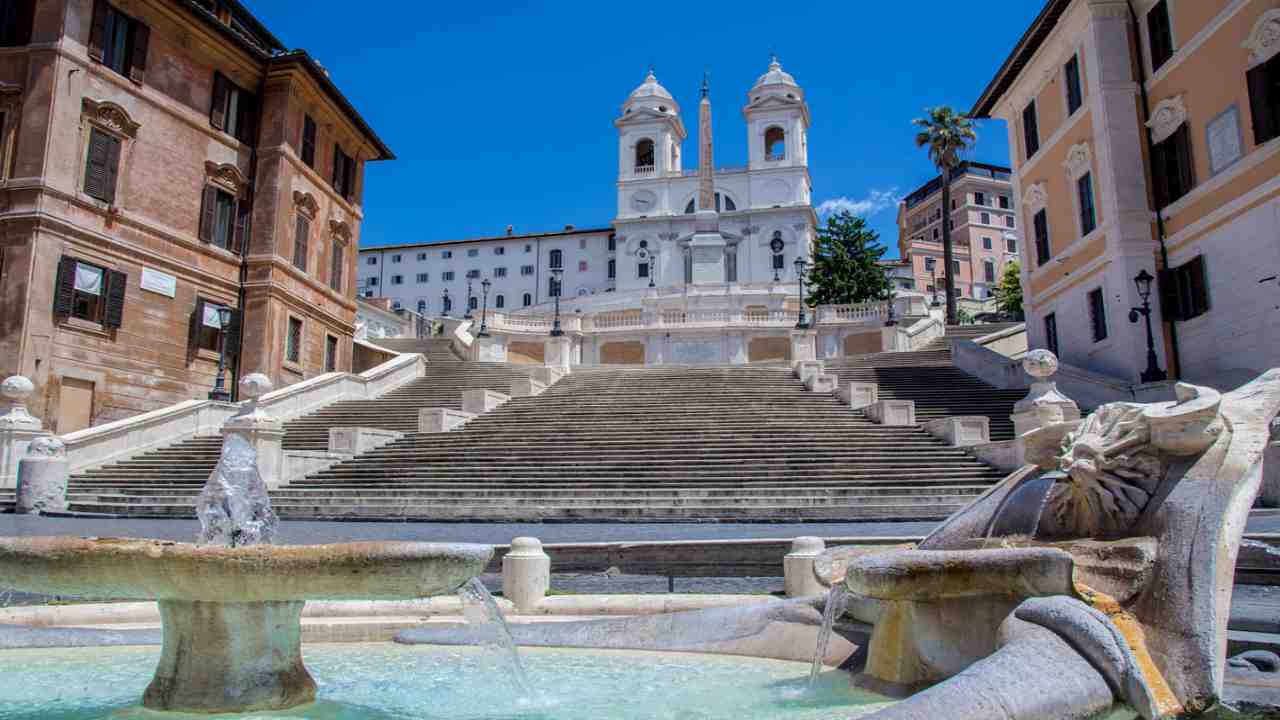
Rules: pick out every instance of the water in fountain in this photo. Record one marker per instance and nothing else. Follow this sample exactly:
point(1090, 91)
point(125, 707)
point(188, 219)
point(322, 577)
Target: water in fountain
point(234, 508)
point(482, 612)
point(837, 601)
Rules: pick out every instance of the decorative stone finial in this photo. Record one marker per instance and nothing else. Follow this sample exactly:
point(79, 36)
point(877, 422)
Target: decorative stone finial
point(807, 545)
point(15, 390)
point(255, 385)
point(47, 446)
point(1043, 405)
point(525, 546)
point(1040, 364)
point(250, 415)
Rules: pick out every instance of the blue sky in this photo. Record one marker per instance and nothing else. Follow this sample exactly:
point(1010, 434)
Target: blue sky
point(501, 113)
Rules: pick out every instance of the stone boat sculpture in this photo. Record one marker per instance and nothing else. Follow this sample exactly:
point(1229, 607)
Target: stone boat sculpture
point(1098, 575)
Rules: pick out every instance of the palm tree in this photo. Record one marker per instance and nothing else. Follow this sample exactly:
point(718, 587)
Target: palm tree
point(947, 134)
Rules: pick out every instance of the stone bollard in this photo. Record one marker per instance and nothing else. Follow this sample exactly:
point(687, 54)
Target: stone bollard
point(264, 433)
point(557, 353)
point(797, 568)
point(1044, 405)
point(859, 394)
point(526, 574)
point(803, 346)
point(42, 477)
point(17, 427)
point(1270, 492)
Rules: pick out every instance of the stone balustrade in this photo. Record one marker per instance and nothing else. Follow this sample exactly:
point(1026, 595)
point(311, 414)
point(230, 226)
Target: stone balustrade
point(961, 430)
point(894, 413)
point(439, 420)
point(858, 394)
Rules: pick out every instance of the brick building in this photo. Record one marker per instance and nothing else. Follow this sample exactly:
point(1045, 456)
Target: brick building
point(160, 159)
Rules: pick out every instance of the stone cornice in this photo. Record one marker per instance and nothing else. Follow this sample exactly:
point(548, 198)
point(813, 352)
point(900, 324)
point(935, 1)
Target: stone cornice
point(306, 202)
point(1168, 116)
point(1036, 197)
point(1079, 160)
point(109, 116)
point(226, 175)
point(1264, 40)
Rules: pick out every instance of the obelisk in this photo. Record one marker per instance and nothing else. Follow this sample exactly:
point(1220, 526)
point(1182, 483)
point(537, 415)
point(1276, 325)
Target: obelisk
point(706, 248)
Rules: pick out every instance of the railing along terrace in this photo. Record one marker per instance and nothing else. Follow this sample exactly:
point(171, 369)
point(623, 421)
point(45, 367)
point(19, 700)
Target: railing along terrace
point(622, 320)
point(644, 169)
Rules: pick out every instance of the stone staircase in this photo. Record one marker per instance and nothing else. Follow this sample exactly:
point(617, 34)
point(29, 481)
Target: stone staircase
point(436, 349)
point(928, 378)
point(7, 499)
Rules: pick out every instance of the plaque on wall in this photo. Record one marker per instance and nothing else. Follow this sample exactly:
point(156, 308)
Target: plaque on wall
point(1225, 143)
point(159, 283)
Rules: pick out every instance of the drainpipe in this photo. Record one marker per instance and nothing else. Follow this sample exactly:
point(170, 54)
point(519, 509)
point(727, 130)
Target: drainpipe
point(1175, 360)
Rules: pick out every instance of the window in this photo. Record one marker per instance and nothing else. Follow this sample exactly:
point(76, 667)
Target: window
point(1159, 34)
point(1011, 245)
point(1097, 315)
point(1041, 223)
point(330, 353)
point(224, 221)
point(422, 277)
point(206, 327)
point(447, 276)
point(729, 204)
point(500, 251)
point(775, 144)
point(642, 270)
point(1171, 167)
point(88, 292)
point(1088, 218)
point(989, 271)
point(526, 269)
point(553, 287)
point(396, 258)
point(293, 341)
point(115, 39)
point(1004, 202)
point(929, 263)
point(1075, 96)
point(499, 272)
point(779, 261)
point(301, 234)
point(397, 279)
point(473, 274)
point(613, 242)
point(644, 155)
point(985, 218)
point(955, 268)
point(446, 254)
point(16, 17)
point(308, 143)
point(557, 259)
point(499, 302)
point(582, 243)
point(527, 300)
point(233, 109)
point(528, 247)
point(337, 258)
point(422, 257)
point(371, 282)
point(986, 243)
point(1051, 332)
point(979, 198)
point(473, 252)
point(935, 234)
point(371, 260)
point(1264, 99)
point(613, 268)
point(344, 173)
point(422, 307)
point(102, 166)
point(582, 266)
point(1030, 130)
point(1008, 221)
point(1184, 290)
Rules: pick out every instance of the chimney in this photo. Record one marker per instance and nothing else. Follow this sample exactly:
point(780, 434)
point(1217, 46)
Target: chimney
point(568, 228)
point(511, 229)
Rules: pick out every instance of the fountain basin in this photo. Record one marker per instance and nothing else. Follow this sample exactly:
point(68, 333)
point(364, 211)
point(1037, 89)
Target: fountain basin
point(231, 617)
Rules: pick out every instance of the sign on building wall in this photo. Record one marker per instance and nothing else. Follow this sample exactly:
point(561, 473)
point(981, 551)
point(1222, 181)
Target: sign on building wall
point(1225, 144)
point(159, 283)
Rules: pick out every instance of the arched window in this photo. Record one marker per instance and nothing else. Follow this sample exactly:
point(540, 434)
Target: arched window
point(499, 302)
point(775, 144)
point(688, 209)
point(528, 299)
point(644, 155)
point(557, 259)
point(728, 204)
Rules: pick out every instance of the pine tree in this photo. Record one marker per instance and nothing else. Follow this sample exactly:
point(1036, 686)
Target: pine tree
point(845, 269)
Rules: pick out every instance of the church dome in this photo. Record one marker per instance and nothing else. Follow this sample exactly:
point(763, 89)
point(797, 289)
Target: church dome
point(776, 81)
point(652, 95)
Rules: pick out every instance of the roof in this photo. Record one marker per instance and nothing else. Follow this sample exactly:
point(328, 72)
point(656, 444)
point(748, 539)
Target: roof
point(301, 57)
point(526, 236)
point(262, 44)
point(915, 197)
point(1022, 53)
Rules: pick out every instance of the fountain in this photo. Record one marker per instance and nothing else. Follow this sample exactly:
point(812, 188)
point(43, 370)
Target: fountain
point(231, 606)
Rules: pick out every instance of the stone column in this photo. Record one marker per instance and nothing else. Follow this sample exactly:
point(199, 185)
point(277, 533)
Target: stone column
point(489, 349)
point(797, 568)
point(1044, 405)
point(17, 427)
point(556, 353)
point(526, 574)
point(803, 346)
point(42, 477)
point(263, 432)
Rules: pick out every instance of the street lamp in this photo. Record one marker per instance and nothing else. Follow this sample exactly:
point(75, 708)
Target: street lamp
point(445, 304)
point(484, 308)
point(1153, 373)
point(555, 327)
point(219, 391)
point(936, 302)
point(893, 315)
point(467, 315)
point(801, 266)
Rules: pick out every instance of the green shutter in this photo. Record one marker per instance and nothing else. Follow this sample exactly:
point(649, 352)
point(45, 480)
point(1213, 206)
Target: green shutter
point(116, 284)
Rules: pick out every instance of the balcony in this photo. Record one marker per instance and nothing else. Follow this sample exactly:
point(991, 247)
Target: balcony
point(775, 157)
point(644, 169)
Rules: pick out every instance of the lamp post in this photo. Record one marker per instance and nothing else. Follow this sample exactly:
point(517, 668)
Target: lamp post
point(801, 266)
point(893, 314)
point(555, 327)
point(219, 391)
point(467, 315)
point(484, 308)
point(1153, 373)
point(936, 302)
point(445, 305)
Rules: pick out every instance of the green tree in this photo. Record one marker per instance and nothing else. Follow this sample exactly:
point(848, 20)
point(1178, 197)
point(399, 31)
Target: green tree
point(1009, 291)
point(947, 134)
point(844, 263)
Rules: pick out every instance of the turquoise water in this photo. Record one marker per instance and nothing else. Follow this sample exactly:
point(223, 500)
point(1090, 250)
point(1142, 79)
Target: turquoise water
point(383, 681)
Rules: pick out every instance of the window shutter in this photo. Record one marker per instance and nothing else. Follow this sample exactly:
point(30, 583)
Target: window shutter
point(1264, 120)
point(95, 170)
point(1170, 307)
point(337, 168)
point(308, 140)
point(218, 108)
point(335, 269)
point(349, 178)
point(116, 283)
point(232, 339)
point(244, 208)
point(138, 64)
point(64, 291)
point(1160, 174)
point(302, 231)
point(22, 15)
point(98, 30)
point(248, 125)
point(208, 206)
point(193, 333)
point(112, 172)
point(1186, 161)
point(1198, 286)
